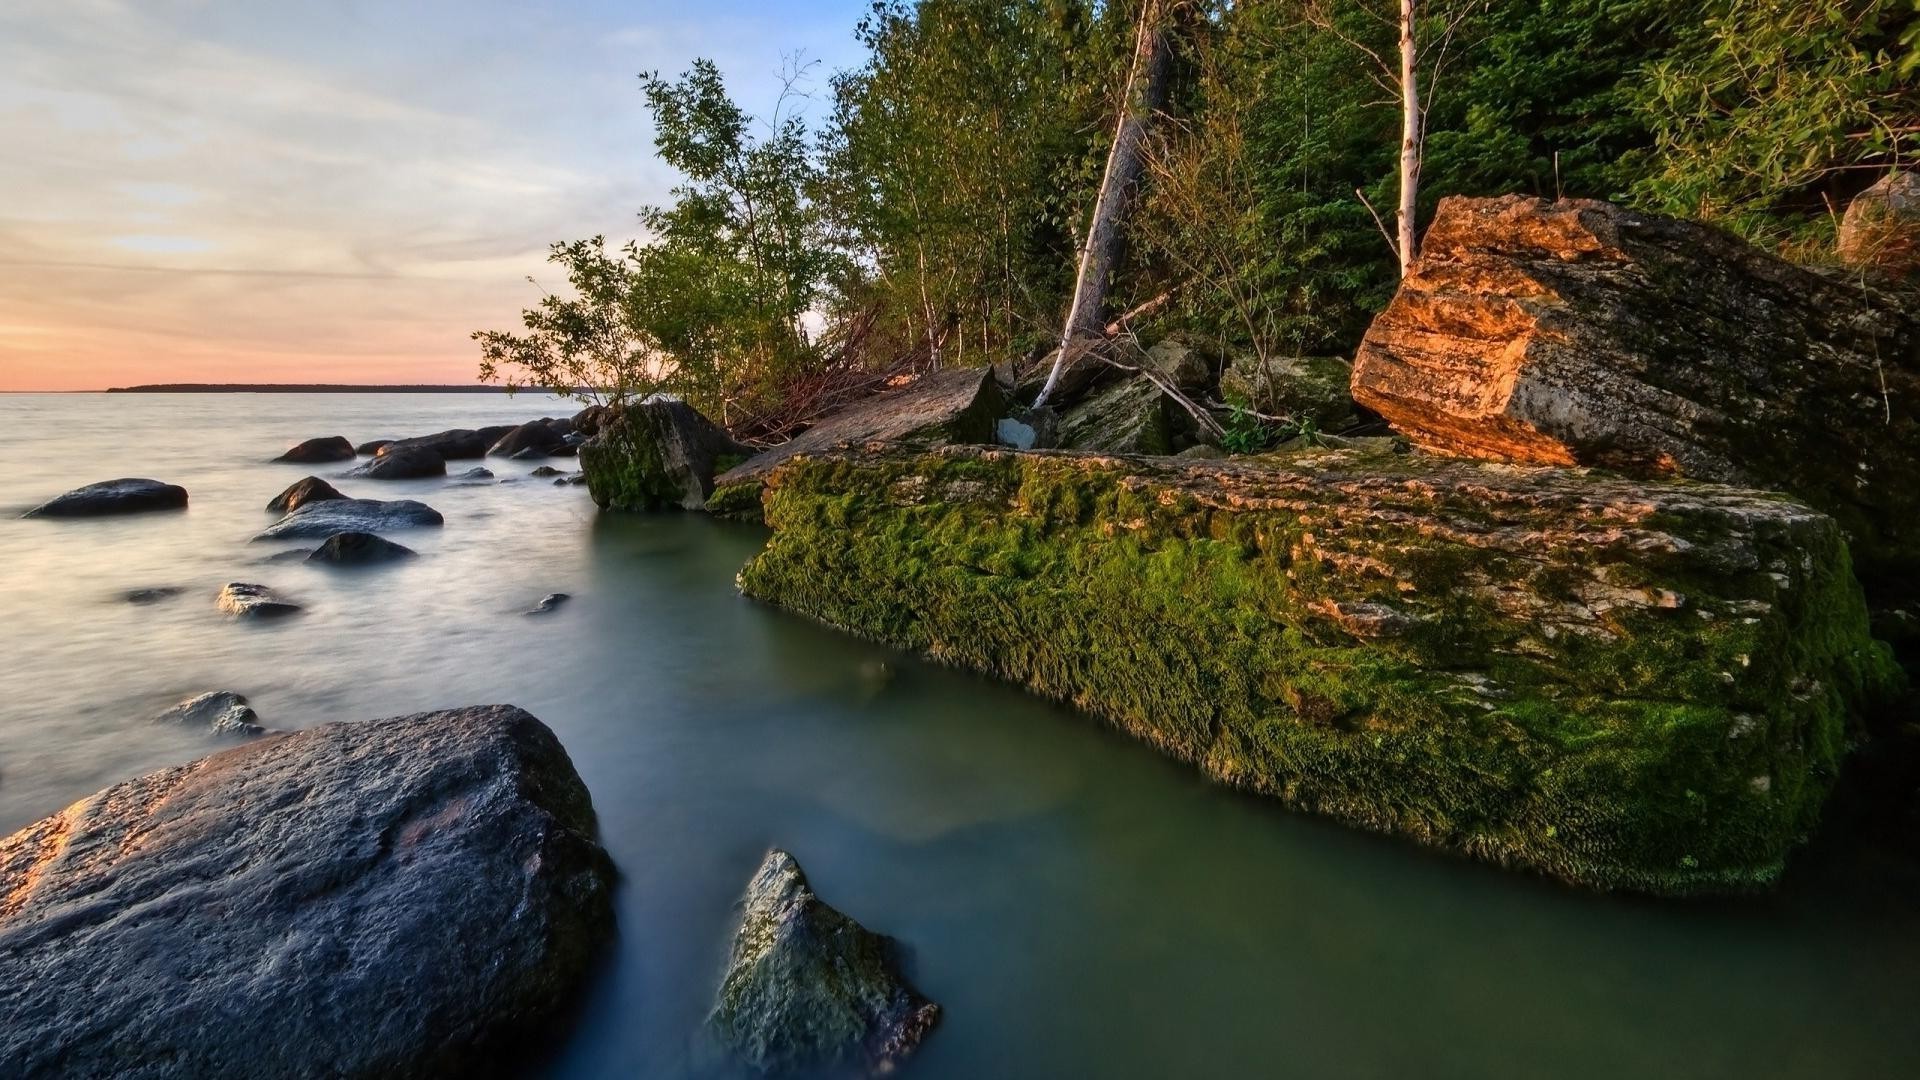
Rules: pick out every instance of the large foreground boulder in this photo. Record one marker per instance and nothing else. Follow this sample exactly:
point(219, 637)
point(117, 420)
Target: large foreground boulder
point(809, 988)
point(657, 454)
point(129, 496)
point(1578, 332)
point(323, 519)
point(403, 463)
point(395, 898)
point(319, 451)
point(312, 489)
point(1631, 685)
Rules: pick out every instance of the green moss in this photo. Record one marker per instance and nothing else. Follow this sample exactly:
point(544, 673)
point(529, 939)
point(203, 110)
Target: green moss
point(740, 501)
point(1669, 749)
point(626, 473)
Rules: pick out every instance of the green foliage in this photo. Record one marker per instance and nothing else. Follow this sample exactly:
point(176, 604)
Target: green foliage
point(1246, 433)
point(582, 346)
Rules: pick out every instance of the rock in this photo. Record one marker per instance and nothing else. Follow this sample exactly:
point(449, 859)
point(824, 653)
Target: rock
point(414, 897)
point(323, 519)
point(403, 463)
point(1310, 390)
point(151, 595)
point(1176, 360)
point(547, 603)
point(535, 438)
point(319, 451)
point(479, 474)
point(571, 480)
point(545, 471)
point(1579, 333)
point(561, 425)
point(587, 421)
point(1539, 667)
point(372, 447)
point(221, 712)
point(254, 601)
point(659, 453)
point(358, 549)
point(127, 496)
point(291, 555)
point(1881, 228)
point(456, 444)
point(808, 988)
point(301, 492)
point(1132, 415)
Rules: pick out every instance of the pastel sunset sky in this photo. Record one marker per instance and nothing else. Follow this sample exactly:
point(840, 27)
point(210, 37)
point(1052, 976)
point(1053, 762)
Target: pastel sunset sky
point(330, 190)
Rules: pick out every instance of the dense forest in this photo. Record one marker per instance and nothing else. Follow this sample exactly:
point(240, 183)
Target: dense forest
point(933, 212)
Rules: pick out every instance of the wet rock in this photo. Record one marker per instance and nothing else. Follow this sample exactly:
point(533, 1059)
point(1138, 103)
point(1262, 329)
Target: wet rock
point(808, 988)
point(248, 600)
point(657, 454)
point(358, 549)
point(403, 463)
point(587, 421)
point(319, 451)
point(151, 595)
point(549, 602)
point(479, 474)
point(323, 519)
point(301, 492)
point(571, 480)
point(1309, 390)
point(412, 897)
point(1881, 228)
point(455, 444)
point(545, 471)
point(535, 438)
point(372, 447)
point(127, 496)
point(291, 555)
point(220, 712)
point(1580, 333)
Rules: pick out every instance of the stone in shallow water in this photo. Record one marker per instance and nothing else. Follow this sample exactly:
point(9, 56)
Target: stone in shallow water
point(359, 549)
point(246, 599)
point(410, 897)
point(312, 489)
point(807, 987)
point(657, 454)
point(152, 595)
point(127, 496)
point(547, 603)
point(221, 712)
point(403, 463)
point(319, 451)
point(322, 519)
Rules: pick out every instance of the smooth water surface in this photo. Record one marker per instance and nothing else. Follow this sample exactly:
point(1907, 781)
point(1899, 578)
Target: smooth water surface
point(1080, 906)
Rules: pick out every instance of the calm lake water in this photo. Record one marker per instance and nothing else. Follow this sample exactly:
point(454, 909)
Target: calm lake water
point(1080, 906)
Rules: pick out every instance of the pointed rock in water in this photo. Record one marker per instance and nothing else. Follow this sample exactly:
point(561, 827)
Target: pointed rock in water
point(319, 451)
point(359, 549)
point(247, 599)
point(403, 463)
point(412, 897)
point(323, 519)
point(127, 496)
point(221, 712)
point(807, 987)
point(301, 492)
point(548, 603)
point(545, 471)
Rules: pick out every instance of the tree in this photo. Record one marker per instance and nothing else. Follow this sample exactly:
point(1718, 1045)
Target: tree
point(583, 346)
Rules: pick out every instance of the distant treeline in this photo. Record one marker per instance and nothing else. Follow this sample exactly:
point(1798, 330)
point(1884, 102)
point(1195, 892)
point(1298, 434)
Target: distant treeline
point(302, 388)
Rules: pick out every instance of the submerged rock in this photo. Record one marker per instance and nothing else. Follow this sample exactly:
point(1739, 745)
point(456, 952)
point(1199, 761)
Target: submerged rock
point(319, 451)
point(807, 987)
point(301, 492)
point(221, 712)
point(257, 601)
point(547, 603)
point(479, 474)
point(657, 454)
point(544, 471)
point(127, 496)
point(358, 549)
point(1580, 333)
point(411, 897)
point(403, 463)
point(323, 519)
point(152, 595)
point(1539, 667)
point(1881, 228)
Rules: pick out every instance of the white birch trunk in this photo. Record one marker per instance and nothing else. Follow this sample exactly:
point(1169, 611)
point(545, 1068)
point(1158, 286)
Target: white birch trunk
point(1410, 136)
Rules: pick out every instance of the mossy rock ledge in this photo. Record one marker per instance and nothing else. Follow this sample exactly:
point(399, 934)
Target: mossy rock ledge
point(1645, 686)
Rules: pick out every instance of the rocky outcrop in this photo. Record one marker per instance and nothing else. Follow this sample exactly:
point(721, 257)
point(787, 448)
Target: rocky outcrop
point(358, 549)
point(535, 438)
point(1881, 228)
point(300, 493)
point(657, 454)
point(808, 988)
point(128, 496)
point(323, 519)
point(403, 463)
point(247, 600)
point(413, 897)
point(319, 451)
point(219, 712)
point(1632, 685)
point(1311, 391)
point(1579, 333)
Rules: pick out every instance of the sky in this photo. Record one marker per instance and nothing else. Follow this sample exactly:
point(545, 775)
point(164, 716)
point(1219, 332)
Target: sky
point(332, 190)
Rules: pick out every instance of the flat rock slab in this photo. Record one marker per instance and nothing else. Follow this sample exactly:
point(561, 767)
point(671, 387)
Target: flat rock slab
point(395, 898)
point(323, 519)
point(126, 496)
point(807, 987)
point(1631, 685)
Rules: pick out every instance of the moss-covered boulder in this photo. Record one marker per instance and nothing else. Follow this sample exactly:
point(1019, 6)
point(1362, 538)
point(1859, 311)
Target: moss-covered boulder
point(657, 454)
point(1310, 390)
point(1126, 416)
point(1630, 685)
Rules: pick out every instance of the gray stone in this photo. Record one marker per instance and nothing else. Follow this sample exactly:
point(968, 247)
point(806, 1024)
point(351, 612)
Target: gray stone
point(151, 595)
point(1130, 416)
point(1308, 390)
point(322, 519)
point(403, 463)
point(535, 438)
point(301, 492)
point(247, 600)
point(358, 549)
point(221, 712)
point(1176, 360)
point(547, 603)
point(455, 444)
point(372, 447)
point(126, 496)
point(319, 451)
point(413, 897)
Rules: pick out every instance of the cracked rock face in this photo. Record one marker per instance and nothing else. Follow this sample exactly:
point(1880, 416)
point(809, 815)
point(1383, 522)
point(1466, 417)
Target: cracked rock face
point(393, 898)
point(1576, 332)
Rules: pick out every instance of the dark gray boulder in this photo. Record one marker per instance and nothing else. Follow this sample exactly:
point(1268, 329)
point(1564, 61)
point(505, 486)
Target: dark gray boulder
point(414, 897)
point(319, 451)
point(247, 600)
point(322, 519)
point(301, 492)
point(220, 712)
point(359, 549)
point(455, 444)
point(372, 447)
point(545, 471)
point(125, 496)
point(475, 475)
point(403, 463)
point(535, 438)
point(657, 454)
point(808, 988)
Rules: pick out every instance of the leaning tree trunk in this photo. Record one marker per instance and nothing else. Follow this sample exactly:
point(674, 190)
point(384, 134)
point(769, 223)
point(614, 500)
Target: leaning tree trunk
point(1410, 136)
point(1146, 94)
